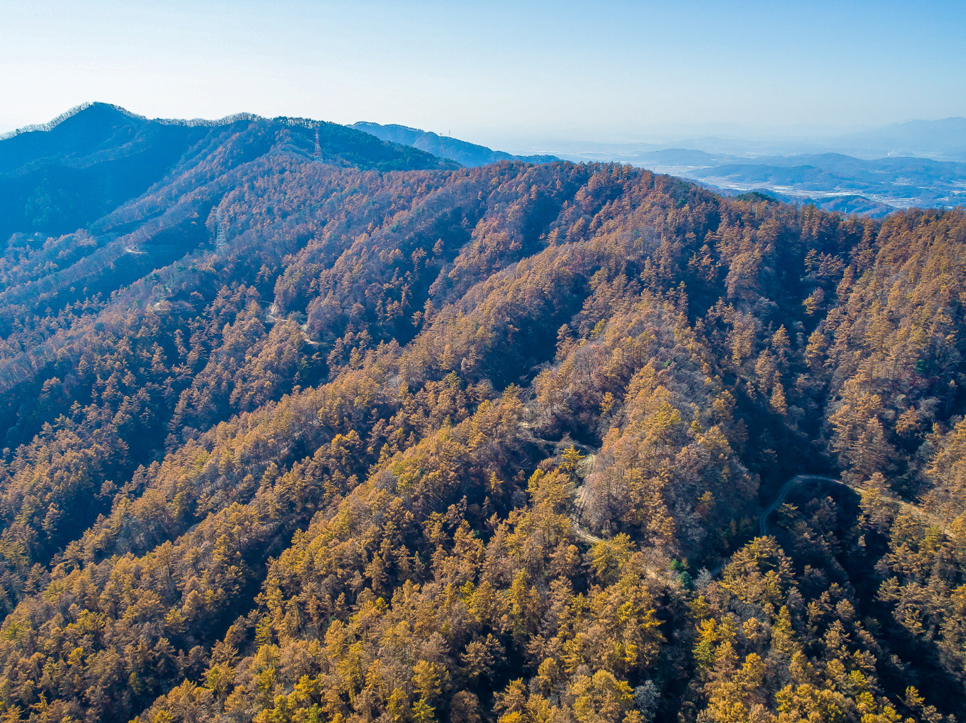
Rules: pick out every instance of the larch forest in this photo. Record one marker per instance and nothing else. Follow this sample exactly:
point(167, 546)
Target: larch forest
point(303, 426)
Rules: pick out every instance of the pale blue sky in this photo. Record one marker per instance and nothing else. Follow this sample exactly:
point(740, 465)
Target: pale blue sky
point(493, 72)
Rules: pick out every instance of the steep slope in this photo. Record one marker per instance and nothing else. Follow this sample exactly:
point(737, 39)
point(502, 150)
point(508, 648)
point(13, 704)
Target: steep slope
point(64, 176)
point(375, 437)
point(58, 180)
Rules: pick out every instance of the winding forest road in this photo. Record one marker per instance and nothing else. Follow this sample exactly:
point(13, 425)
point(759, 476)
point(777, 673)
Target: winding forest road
point(778, 502)
point(783, 493)
point(580, 500)
point(590, 538)
point(585, 535)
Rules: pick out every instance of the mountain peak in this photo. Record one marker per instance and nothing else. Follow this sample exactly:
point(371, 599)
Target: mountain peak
point(59, 176)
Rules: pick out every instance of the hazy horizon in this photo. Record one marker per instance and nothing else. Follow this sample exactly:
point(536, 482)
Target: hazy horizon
point(510, 74)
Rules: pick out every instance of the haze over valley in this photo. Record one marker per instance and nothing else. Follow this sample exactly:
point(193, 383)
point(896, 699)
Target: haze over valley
point(913, 164)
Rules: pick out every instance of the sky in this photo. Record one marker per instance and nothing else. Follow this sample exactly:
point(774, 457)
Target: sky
point(499, 73)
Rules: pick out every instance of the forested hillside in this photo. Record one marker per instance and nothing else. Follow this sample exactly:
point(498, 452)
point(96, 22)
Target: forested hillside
point(347, 433)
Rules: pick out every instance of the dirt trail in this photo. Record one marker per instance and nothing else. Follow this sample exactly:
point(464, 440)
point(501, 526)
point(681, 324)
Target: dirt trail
point(272, 317)
point(580, 502)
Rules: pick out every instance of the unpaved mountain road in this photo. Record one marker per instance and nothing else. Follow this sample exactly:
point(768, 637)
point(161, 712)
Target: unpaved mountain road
point(783, 493)
point(590, 538)
point(779, 500)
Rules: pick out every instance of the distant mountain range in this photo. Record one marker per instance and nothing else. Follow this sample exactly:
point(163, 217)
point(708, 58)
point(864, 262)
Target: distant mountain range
point(873, 186)
point(827, 179)
point(98, 156)
point(941, 140)
point(466, 154)
point(920, 163)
